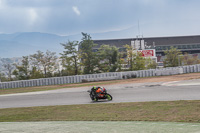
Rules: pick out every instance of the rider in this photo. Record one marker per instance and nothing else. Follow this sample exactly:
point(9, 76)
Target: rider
point(97, 90)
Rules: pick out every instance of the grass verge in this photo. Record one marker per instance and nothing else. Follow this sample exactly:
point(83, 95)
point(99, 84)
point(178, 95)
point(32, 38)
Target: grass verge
point(171, 111)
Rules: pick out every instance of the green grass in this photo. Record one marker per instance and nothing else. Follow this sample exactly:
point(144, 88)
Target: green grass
point(171, 111)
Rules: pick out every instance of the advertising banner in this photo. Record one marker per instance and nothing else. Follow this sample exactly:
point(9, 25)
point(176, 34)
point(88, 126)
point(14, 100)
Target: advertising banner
point(148, 52)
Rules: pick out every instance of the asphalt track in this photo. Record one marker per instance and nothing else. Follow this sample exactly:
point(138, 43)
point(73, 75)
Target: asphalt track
point(161, 91)
point(140, 92)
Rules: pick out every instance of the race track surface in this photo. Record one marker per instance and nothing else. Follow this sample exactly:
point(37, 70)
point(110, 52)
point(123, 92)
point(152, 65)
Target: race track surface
point(138, 92)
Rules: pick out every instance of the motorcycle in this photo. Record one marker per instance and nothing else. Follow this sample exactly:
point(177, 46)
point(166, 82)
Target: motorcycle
point(102, 95)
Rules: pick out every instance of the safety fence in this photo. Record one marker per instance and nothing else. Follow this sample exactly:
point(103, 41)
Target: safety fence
point(100, 77)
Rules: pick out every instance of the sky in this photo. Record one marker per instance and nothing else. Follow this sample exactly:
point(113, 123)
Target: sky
point(102, 18)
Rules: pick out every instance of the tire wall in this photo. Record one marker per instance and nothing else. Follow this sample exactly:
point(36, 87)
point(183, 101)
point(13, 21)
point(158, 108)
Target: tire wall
point(100, 77)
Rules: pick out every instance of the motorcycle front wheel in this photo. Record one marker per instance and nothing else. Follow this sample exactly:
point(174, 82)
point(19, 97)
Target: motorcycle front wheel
point(109, 97)
point(95, 99)
point(91, 96)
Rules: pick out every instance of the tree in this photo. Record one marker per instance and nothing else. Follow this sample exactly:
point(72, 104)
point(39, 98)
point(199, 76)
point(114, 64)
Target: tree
point(130, 56)
point(109, 58)
point(89, 59)
point(172, 57)
point(71, 57)
point(2, 77)
point(151, 64)
point(35, 73)
point(22, 71)
point(190, 59)
point(9, 69)
point(134, 59)
point(140, 62)
point(58, 69)
point(45, 62)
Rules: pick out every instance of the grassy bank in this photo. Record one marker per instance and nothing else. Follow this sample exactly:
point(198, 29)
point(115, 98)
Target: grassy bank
point(172, 111)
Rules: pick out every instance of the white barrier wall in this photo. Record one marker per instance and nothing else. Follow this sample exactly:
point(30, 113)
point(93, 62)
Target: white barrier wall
point(100, 77)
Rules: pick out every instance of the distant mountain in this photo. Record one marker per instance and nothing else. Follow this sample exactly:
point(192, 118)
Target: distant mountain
point(26, 43)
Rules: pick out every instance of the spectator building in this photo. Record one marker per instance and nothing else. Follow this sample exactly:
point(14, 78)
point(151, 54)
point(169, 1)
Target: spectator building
point(186, 44)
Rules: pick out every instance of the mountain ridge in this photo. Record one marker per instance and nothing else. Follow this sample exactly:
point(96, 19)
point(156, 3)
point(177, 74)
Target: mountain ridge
point(26, 43)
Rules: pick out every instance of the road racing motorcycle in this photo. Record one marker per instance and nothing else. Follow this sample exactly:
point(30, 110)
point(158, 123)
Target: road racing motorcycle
point(95, 96)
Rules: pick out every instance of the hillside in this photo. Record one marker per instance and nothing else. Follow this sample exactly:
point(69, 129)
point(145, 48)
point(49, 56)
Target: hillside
point(26, 43)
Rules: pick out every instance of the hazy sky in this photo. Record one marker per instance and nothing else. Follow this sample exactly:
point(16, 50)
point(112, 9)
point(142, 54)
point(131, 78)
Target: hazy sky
point(68, 17)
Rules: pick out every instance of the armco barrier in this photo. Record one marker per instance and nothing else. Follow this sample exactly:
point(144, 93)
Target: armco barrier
point(100, 77)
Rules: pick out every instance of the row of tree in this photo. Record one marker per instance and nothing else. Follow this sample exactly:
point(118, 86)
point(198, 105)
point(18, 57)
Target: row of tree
point(85, 60)
point(106, 58)
point(174, 57)
point(38, 65)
